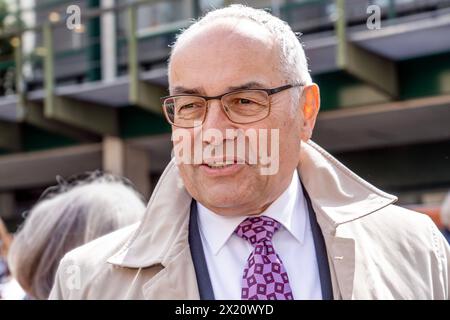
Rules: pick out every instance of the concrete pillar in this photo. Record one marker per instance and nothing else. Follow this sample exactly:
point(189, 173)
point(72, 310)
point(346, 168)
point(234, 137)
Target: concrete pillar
point(129, 161)
point(108, 42)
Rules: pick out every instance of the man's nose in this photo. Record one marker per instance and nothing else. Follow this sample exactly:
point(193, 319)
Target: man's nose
point(217, 120)
point(216, 117)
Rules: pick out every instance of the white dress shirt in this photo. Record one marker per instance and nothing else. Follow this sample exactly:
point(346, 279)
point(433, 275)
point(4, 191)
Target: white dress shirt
point(226, 253)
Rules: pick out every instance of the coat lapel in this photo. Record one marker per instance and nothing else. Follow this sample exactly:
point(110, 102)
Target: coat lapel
point(176, 281)
point(338, 196)
point(341, 257)
point(162, 241)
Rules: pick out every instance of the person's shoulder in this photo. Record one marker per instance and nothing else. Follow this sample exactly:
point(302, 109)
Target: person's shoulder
point(403, 215)
point(405, 228)
point(102, 248)
point(409, 254)
point(80, 266)
point(399, 219)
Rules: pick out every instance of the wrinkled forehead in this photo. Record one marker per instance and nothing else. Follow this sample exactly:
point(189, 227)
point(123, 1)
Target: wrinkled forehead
point(231, 51)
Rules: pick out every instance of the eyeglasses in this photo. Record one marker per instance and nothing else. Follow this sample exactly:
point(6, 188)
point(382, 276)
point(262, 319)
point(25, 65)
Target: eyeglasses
point(241, 106)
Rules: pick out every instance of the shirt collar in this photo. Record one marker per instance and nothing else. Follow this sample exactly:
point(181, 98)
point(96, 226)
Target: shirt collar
point(289, 209)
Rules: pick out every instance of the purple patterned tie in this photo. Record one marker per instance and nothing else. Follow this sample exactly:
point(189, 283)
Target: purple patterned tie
point(265, 277)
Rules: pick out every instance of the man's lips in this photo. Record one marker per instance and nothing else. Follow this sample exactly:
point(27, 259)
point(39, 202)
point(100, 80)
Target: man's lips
point(221, 166)
point(221, 162)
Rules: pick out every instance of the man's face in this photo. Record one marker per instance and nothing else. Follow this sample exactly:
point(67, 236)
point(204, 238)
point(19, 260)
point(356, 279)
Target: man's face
point(212, 62)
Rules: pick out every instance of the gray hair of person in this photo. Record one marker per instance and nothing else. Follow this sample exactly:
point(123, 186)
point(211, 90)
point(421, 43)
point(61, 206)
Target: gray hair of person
point(293, 62)
point(65, 220)
point(445, 211)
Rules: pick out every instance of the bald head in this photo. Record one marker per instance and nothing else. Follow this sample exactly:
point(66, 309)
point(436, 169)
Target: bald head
point(254, 24)
point(229, 51)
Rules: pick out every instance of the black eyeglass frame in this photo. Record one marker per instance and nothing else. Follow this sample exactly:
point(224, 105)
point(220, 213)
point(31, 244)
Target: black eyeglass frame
point(269, 92)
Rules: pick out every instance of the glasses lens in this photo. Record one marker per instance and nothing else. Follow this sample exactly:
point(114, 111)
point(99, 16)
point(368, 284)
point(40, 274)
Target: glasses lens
point(246, 106)
point(184, 111)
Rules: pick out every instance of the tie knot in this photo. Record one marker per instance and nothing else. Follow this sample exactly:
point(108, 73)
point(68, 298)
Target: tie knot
point(257, 229)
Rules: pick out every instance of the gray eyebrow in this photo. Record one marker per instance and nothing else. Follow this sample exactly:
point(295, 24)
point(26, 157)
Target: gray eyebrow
point(248, 85)
point(180, 90)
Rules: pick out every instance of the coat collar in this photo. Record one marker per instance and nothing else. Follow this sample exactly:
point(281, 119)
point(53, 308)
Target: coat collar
point(163, 232)
point(337, 196)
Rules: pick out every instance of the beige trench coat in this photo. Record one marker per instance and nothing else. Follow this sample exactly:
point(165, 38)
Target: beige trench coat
point(376, 250)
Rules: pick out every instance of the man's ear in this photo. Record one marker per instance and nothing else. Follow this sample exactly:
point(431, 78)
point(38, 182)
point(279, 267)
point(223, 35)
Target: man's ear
point(309, 107)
